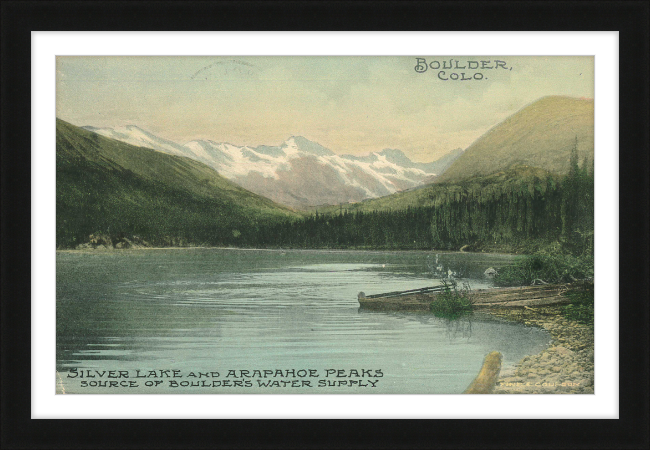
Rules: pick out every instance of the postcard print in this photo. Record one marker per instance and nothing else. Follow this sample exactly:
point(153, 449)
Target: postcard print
point(325, 225)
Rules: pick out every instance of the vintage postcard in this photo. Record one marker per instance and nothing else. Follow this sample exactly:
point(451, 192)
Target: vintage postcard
point(325, 225)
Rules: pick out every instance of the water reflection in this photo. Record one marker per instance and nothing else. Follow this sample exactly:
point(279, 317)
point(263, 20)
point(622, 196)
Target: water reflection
point(459, 328)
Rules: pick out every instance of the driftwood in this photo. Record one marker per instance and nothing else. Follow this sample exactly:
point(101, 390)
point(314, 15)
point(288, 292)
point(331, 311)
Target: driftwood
point(486, 379)
point(509, 297)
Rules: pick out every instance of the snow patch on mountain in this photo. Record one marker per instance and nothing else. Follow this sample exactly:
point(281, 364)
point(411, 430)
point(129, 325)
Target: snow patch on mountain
point(134, 135)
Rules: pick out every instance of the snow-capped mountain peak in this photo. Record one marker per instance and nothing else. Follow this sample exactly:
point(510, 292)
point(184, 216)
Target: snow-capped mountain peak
point(298, 172)
point(305, 145)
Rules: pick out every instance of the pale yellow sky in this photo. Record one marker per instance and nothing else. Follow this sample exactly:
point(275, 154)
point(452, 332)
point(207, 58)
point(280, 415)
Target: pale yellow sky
point(351, 105)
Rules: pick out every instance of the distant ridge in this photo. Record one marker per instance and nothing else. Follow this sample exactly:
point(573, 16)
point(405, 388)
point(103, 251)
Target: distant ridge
point(541, 135)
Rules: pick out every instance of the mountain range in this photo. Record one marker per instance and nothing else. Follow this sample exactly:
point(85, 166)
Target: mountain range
point(113, 182)
point(299, 172)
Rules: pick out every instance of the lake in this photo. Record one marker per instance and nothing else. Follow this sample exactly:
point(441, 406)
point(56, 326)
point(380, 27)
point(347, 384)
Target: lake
point(191, 320)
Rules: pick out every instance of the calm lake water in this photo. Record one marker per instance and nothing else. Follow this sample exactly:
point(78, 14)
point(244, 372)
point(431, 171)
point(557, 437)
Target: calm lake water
point(204, 312)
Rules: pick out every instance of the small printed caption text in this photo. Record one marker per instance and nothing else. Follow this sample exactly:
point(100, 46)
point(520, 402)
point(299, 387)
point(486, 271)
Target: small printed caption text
point(268, 378)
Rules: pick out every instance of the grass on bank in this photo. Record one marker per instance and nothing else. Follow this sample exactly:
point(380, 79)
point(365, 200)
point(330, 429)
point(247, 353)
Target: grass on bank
point(454, 302)
point(581, 308)
point(555, 265)
point(548, 266)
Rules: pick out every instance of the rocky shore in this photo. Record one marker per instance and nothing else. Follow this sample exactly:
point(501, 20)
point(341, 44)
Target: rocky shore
point(103, 241)
point(106, 242)
point(566, 367)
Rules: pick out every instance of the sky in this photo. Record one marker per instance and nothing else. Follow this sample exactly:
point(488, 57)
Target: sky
point(351, 105)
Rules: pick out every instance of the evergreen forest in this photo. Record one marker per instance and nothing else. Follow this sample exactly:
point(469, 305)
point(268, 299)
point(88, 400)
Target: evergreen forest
point(483, 214)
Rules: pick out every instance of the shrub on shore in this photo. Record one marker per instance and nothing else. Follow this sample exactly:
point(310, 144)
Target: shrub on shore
point(453, 302)
point(546, 268)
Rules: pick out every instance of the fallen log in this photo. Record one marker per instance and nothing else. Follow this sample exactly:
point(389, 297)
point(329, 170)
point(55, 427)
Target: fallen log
point(509, 297)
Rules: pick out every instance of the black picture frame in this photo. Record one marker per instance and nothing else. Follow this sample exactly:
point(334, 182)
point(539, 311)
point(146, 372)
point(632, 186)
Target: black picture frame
point(629, 18)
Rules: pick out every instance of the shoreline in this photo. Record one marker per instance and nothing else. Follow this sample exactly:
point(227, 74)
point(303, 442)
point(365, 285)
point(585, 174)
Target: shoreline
point(565, 367)
point(332, 250)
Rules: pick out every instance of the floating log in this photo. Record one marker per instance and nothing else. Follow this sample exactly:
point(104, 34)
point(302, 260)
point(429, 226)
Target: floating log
point(508, 297)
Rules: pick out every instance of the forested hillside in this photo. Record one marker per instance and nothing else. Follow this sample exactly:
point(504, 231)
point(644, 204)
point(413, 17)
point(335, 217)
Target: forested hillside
point(124, 193)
